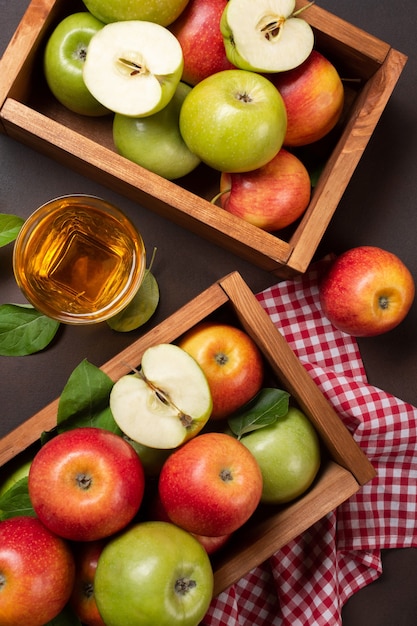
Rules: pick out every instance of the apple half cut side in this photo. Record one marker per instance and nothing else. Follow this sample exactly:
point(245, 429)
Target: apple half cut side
point(133, 67)
point(164, 404)
point(266, 35)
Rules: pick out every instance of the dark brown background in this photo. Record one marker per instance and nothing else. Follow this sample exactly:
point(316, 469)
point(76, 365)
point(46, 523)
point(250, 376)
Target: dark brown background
point(378, 208)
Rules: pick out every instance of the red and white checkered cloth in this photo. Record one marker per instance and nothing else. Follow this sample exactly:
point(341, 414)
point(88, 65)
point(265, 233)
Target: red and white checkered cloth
point(307, 582)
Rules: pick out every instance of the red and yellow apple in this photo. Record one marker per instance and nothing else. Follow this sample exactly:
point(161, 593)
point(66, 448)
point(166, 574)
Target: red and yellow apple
point(82, 598)
point(271, 197)
point(313, 95)
point(198, 31)
point(157, 512)
point(86, 484)
point(211, 485)
point(367, 291)
point(36, 572)
point(231, 361)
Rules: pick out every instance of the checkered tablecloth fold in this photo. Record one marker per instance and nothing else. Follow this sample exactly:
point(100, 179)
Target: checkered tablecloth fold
point(307, 582)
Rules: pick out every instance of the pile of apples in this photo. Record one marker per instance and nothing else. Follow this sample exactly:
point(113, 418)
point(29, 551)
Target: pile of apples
point(124, 525)
point(234, 84)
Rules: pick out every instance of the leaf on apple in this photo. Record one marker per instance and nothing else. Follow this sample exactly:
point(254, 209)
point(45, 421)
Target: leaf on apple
point(85, 400)
point(15, 501)
point(141, 308)
point(263, 410)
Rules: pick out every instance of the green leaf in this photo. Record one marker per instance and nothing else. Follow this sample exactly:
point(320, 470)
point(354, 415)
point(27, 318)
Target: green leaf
point(267, 406)
point(67, 617)
point(9, 228)
point(85, 400)
point(24, 330)
point(15, 501)
point(141, 308)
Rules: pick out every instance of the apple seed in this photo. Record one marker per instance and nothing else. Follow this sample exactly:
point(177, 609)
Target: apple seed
point(271, 28)
point(183, 585)
point(132, 67)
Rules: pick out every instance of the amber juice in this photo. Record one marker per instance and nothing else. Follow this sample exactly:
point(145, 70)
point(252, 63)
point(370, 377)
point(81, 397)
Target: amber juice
point(78, 259)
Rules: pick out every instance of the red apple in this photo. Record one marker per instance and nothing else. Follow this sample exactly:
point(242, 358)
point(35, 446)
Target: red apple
point(367, 291)
point(211, 485)
point(231, 361)
point(271, 197)
point(36, 573)
point(157, 512)
point(198, 31)
point(82, 599)
point(313, 95)
point(86, 484)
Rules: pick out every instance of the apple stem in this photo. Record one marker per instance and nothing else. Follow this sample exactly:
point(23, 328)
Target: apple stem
point(2, 581)
point(307, 6)
point(218, 195)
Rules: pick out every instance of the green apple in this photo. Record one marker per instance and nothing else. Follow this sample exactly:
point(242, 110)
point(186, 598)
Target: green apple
point(166, 402)
point(63, 63)
point(153, 573)
point(155, 141)
point(133, 67)
point(233, 121)
point(13, 472)
point(163, 13)
point(266, 35)
point(288, 453)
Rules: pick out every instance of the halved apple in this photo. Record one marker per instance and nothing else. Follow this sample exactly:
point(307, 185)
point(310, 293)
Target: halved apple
point(133, 67)
point(266, 35)
point(166, 402)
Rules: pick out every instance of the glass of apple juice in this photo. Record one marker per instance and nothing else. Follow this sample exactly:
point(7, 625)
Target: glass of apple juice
point(78, 259)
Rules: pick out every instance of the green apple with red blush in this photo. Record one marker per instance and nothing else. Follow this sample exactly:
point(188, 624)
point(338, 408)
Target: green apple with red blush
point(271, 197)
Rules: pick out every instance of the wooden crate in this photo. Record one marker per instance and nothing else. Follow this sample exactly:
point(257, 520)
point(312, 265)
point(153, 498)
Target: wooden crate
point(344, 468)
point(31, 115)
